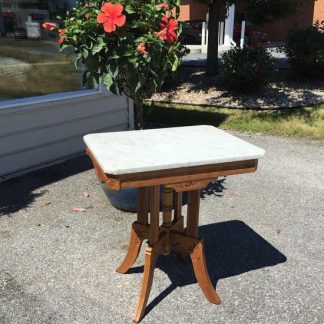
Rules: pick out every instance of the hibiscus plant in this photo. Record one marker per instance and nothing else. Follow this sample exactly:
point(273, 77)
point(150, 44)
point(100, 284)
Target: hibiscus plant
point(131, 45)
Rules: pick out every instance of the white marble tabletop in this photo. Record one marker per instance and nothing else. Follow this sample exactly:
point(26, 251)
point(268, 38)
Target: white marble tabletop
point(159, 149)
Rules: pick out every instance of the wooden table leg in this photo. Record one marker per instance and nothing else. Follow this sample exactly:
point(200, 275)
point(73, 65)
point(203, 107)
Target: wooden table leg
point(149, 266)
point(198, 253)
point(151, 254)
point(201, 273)
point(136, 240)
point(193, 213)
point(162, 239)
point(134, 247)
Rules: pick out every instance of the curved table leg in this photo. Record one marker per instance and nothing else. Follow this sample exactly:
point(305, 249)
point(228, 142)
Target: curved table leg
point(149, 266)
point(134, 247)
point(201, 273)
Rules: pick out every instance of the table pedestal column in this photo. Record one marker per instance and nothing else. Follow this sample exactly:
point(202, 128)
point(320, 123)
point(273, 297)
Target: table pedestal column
point(170, 236)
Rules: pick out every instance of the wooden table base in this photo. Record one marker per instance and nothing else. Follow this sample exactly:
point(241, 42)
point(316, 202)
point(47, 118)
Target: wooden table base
point(170, 236)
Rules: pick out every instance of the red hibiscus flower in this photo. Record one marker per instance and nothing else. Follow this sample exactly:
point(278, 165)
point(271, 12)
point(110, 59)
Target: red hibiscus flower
point(141, 48)
point(49, 26)
point(167, 33)
point(61, 33)
point(111, 16)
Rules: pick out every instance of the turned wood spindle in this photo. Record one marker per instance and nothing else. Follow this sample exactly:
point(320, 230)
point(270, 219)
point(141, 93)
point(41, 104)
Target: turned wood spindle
point(154, 215)
point(177, 205)
point(167, 206)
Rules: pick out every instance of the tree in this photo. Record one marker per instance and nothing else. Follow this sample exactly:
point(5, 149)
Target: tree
point(258, 12)
point(131, 45)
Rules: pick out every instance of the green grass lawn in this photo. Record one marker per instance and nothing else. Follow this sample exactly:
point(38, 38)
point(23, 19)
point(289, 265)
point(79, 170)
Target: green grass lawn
point(303, 122)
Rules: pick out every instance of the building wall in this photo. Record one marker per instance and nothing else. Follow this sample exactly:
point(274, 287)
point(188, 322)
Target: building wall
point(319, 10)
point(185, 10)
point(277, 31)
point(38, 134)
point(191, 10)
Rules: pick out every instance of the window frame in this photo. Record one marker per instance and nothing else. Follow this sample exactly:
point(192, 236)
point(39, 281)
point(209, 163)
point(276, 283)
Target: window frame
point(63, 97)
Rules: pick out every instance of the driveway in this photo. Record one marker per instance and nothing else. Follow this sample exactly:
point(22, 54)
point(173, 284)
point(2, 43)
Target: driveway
point(264, 236)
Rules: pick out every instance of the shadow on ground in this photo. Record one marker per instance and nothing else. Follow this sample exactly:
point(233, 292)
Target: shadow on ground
point(232, 248)
point(171, 116)
point(192, 85)
point(20, 192)
point(215, 188)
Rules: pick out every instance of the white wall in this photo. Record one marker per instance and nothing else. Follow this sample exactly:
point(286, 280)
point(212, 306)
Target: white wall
point(35, 132)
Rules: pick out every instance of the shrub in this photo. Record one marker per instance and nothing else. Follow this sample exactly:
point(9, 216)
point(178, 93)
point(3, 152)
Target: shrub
point(305, 51)
point(132, 45)
point(247, 67)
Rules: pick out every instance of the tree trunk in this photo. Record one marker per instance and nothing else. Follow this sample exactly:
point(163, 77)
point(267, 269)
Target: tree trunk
point(138, 114)
point(212, 48)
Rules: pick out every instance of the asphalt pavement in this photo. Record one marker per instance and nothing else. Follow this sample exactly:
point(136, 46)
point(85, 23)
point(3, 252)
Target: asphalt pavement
point(264, 236)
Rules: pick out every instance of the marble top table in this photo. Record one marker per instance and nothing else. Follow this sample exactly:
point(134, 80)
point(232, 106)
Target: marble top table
point(166, 148)
point(176, 159)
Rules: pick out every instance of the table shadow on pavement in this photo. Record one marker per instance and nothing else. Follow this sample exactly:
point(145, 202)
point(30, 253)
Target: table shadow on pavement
point(232, 248)
point(20, 192)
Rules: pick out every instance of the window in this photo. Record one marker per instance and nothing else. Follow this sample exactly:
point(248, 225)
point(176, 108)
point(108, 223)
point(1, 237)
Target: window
point(30, 64)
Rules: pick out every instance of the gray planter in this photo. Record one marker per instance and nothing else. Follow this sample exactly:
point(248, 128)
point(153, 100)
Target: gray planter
point(126, 199)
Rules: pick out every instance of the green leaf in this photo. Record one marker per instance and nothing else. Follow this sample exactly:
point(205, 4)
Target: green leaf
point(97, 48)
point(85, 53)
point(139, 39)
point(114, 69)
point(83, 11)
point(138, 85)
point(128, 52)
point(100, 39)
point(63, 47)
point(139, 24)
point(77, 60)
point(108, 80)
point(129, 9)
point(154, 74)
point(175, 64)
